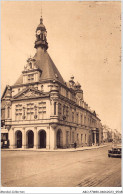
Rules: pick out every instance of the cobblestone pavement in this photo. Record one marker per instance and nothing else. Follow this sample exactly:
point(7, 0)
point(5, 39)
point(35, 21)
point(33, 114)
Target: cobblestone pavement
point(89, 168)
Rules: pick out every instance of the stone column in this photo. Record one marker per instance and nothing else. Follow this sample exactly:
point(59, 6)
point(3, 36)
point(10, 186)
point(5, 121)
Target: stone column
point(23, 138)
point(48, 138)
point(35, 138)
point(12, 138)
point(52, 137)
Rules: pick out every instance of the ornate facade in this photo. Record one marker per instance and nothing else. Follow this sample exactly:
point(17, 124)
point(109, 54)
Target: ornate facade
point(41, 110)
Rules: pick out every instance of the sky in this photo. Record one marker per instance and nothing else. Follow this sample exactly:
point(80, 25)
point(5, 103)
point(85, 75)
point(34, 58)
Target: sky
point(84, 40)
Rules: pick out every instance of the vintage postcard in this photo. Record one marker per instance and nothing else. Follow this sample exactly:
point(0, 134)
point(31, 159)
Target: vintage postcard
point(60, 95)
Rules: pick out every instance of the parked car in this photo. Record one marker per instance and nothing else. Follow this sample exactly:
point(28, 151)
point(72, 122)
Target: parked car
point(116, 151)
point(5, 144)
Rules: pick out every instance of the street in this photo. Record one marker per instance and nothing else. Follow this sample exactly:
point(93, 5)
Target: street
point(89, 168)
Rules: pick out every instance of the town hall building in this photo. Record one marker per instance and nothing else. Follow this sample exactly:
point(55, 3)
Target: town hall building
point(41, 110)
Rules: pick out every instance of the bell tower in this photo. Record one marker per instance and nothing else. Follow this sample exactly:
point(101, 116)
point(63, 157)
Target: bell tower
point(41, 34)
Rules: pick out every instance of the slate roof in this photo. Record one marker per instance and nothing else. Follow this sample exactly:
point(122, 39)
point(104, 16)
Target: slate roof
point(45, 63)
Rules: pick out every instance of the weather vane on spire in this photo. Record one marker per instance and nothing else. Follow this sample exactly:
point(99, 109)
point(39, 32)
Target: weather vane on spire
point(41, 20)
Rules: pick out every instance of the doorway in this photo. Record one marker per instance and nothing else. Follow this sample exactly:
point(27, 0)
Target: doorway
point(42, 139)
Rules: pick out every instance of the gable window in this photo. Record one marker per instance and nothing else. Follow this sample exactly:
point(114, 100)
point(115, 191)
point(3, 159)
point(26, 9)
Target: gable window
point(30, 77)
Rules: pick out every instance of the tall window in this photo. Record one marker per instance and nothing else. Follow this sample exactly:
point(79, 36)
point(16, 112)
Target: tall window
point(64, 110)
point(85, 120)
point(81, 137)
point(72, 137)
point(30, 111)
point(42, 110)
point(8, 116)
point(59, 110)
point(73, 117)
point(81, 119)
point(18, 112)
point(35, 114)
point(54, 108)
point(77, 118)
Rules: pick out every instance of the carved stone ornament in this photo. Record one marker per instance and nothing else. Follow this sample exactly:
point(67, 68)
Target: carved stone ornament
point(8, 103)
point(29, 94)
point(30, 64)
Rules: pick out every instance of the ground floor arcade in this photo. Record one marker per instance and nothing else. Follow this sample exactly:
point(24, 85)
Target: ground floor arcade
point(51, 137)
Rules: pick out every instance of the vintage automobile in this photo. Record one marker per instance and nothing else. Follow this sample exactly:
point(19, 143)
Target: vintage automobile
point(116, 151)
point(4, 144)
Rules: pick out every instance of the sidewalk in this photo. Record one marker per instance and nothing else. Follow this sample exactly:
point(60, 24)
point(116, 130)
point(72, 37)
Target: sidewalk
point(57, 150)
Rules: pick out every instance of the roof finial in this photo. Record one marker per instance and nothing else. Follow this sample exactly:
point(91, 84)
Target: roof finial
point(41, 19)
point(41, 8)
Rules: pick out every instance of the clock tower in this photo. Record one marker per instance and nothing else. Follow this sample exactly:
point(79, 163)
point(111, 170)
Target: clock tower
point(41, 34)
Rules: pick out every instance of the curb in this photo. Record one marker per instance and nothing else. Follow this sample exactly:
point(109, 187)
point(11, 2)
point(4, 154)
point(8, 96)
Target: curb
point(61, 150)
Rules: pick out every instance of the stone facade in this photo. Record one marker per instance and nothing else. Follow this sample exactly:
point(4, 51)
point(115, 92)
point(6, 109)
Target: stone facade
point(42, 111)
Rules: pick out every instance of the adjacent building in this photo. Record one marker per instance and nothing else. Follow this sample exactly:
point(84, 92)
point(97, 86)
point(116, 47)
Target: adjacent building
point(110, 135)
point(41, 110)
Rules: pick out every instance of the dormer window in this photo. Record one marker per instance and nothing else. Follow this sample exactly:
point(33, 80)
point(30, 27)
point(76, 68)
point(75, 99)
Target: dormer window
point(30, 77)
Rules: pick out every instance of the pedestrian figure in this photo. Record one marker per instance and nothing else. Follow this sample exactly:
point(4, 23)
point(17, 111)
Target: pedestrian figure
point(75, 145)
